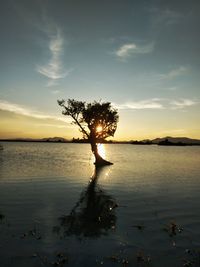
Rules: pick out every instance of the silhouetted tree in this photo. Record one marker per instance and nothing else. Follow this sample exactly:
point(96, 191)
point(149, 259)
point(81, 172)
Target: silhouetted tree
point(96, 121)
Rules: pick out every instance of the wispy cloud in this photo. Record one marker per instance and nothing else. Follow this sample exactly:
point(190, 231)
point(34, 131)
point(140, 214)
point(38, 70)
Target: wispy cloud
point(125, 50)
point(154, 103)
point(130, 49)
point(51, 125)
point(157, 104)
point(55, 92)
point(26, 111)
point(173, 88)
point(174, 73)
point(182, 103)
point(164, 16)
point(53, 70)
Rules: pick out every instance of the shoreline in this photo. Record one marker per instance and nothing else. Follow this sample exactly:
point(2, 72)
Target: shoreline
point(138, 143)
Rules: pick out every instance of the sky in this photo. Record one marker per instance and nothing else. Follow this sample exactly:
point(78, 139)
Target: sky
point(143, 56)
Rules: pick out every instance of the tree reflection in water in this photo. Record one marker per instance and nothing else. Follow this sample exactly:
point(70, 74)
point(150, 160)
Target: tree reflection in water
point(94, 213)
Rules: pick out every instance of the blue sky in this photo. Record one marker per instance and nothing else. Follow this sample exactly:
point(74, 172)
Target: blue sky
point(143, 56)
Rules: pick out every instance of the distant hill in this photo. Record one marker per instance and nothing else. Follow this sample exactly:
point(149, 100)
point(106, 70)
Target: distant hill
point(54, 139)
point(48, 139)
point(184, 140)
point(170, 141)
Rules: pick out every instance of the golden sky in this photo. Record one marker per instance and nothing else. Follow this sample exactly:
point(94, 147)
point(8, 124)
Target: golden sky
point(132, 125)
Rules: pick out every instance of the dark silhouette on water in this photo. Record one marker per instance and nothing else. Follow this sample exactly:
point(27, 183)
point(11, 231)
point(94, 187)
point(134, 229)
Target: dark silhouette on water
point(93, 214)
point(96, 121)
point(166, 142)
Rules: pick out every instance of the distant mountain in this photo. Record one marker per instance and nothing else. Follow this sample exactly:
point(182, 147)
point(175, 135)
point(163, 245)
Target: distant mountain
point(184, 140)
point(168, 140)
point(48, 139)
point(54, 139)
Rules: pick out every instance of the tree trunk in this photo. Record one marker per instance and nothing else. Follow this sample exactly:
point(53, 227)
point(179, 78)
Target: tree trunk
point(99, 161)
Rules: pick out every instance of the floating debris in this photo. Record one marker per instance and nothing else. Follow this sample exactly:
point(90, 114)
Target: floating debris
point(114, 258)
point(23, 236)
point(141, 257)
point(173, 243)
point(117, 259)
point(61, 259)
point(139, 227)
point(2, 217)
point(193, 257)
point(188, 251)
point(125, 262)
point(187, 263)
point(172, 229)
point(42, 259)
point(33, 232)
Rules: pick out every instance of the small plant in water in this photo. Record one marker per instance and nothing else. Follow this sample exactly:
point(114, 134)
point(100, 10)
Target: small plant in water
point(172, 229)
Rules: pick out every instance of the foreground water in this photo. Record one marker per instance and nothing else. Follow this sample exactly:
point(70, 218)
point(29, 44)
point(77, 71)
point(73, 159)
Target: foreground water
point(55, 210)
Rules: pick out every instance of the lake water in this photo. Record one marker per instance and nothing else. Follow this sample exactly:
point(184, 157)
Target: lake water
point(56, 210)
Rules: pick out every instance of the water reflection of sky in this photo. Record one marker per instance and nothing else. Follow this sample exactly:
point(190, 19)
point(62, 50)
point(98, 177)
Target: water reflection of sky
point(101, 150)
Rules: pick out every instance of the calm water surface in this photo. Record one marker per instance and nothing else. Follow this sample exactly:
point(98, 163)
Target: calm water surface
point(141, 211)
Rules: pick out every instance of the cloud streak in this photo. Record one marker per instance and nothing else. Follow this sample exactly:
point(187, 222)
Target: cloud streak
point(174, 73)
point(25, 111)
point(53, 70)
point(156, 104)
point(127, 50)
point(182, 103)
point(164, 16)
point(153, 103)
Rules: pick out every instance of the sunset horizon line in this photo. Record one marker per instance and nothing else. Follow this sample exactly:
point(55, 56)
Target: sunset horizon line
point(71, 139)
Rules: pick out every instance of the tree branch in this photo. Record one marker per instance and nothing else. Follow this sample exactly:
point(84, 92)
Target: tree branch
point(83, 130)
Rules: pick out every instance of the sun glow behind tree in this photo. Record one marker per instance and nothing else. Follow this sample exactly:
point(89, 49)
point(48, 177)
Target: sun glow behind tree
point(99, 129)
